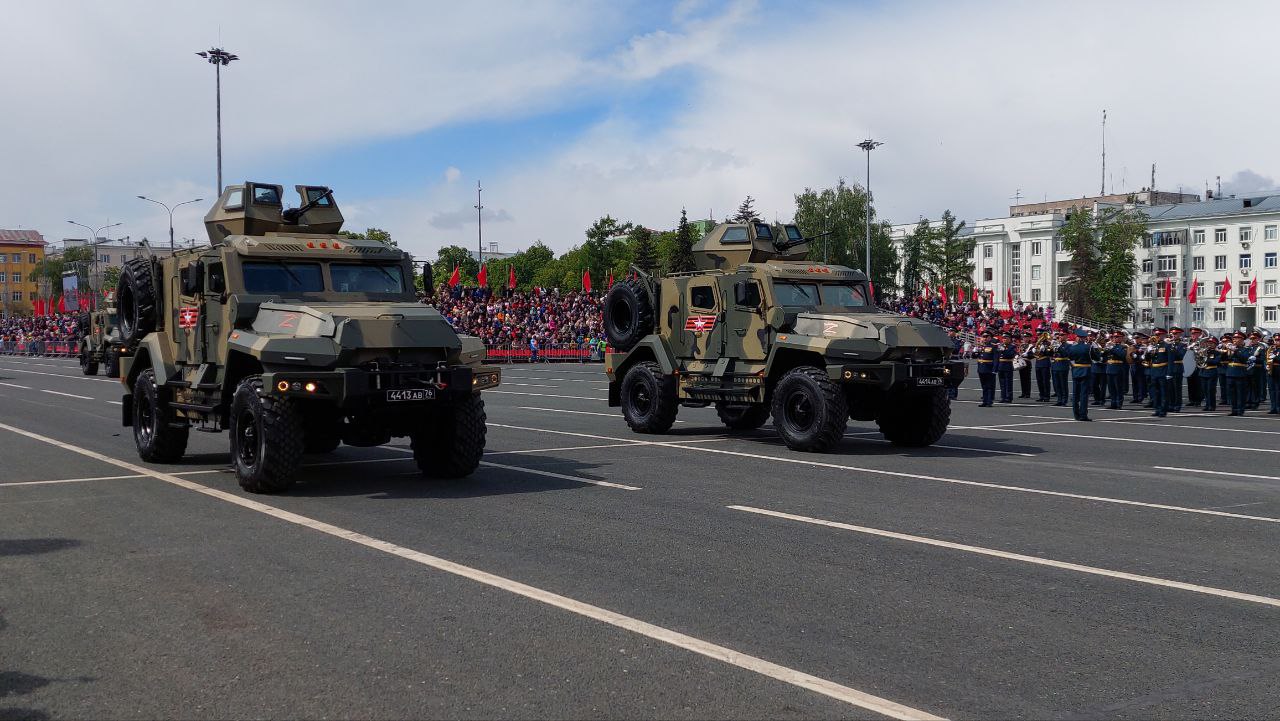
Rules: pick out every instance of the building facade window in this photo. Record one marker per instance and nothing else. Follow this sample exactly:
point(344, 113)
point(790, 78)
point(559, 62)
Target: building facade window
point(1269, 232)
point(1035, 295)
point(31, 258)
point(106, 258)
point(1197, 237)
point(986, 251)
point(1148, 316)
point(1217, 289)
point(31, 296)
point(1197, 315)
point(1269, 260)
point(1057, 245)
point(1269, 315)
point(1146, 290)
point(3, 277)
point(1220, 235)
point(1219, 262)
point(1197, 263)
point(1167, 263)
point(1269, 287)
point(1219, 315)
point(1199, 288)
point(1246, 233)
point(16, 296)
point(17, 258)
point(1035, 272)
point(1015, 270)
point(986, 274)
point(1246, 261)
point(1036, 247)
point(1148, 265)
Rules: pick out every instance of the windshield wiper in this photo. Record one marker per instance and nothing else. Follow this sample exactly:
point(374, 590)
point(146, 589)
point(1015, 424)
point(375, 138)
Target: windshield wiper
point(390, 277)
point(288, 270)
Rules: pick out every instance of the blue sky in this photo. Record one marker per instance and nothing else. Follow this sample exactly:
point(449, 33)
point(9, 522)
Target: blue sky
point(568, 109)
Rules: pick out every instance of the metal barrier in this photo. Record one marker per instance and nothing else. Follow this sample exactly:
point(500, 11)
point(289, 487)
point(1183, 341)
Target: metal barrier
point(48, 349)
point(560, 354)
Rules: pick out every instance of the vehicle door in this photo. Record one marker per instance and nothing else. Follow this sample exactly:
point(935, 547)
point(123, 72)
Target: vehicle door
point(211, 320)
point(703, 325)
point(185, 318)
point(745, 335)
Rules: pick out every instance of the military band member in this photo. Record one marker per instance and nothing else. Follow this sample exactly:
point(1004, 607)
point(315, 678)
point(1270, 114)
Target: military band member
point(1081, 354)
point(1195, 389)
point(1139, 368)
point(1237, 361)
point(1207, 373)
point(1117, 366)
point(1099, 370)
point(1004, 367)
point(1273, 373)
point(1060, 370)
point(1158, 373)
point(1042, 353)
point(1258, 371)
point(985, 354)
point(1225, 346)
point(1177, 351)
point(1026, 356)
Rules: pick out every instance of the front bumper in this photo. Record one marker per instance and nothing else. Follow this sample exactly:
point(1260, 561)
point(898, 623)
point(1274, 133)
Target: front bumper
point(359, 388)
point(900, 375)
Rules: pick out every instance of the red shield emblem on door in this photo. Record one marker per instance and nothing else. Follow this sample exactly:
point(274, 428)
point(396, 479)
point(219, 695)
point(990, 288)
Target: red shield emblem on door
point(188, 316)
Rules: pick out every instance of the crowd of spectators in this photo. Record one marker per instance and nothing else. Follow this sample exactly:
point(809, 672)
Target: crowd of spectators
point(967, 320)
point(533, 320)
point(46, 335)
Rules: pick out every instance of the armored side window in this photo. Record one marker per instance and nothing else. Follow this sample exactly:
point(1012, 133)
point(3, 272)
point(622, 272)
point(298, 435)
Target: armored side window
point(702, 296)
point(324, 201)
point(763, 232)
point(266, 195)
point(735, 235)
point(235, 200)
point(217, 279)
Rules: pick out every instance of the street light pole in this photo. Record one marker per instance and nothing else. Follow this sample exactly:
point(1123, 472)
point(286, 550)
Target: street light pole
point(218, 57)
point(868, 145)
point(479, 227)
point(92, 245)
point(162, 205)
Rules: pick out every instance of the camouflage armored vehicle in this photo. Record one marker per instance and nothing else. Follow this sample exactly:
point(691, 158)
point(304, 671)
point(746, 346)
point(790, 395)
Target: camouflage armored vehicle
point(294, 339)
point(100, 343)
point(758, 330)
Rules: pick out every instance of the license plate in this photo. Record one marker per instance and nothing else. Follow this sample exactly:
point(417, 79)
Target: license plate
point(928, 381)
point(412, 394)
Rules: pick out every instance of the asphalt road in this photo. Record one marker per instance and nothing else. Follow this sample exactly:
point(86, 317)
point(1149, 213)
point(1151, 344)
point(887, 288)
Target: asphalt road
point(1027, 566)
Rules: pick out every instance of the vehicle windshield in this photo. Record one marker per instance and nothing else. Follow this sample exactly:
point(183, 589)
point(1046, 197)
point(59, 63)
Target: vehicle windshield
point(281, 278)
point(367, 278)
point(812, 295)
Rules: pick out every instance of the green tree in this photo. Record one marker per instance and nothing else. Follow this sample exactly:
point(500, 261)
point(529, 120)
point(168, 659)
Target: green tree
point(377, 234)
point(914, 256)
point(643, 254)
point(1120, 232)
point(606, 245)
point(682, 249)
point(843, 211)
point(1080, 239)
point(746, 212)
point(955, 253)
point(110, 277)
point(450, 257)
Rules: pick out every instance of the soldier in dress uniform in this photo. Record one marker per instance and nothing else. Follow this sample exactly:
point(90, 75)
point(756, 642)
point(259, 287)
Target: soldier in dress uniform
point(1158, 373)
point(1139, 367)
point(1042, 353)
point(1004, 367)
point(1195, 389)
point(1274, 373)
point(1080, 354)
point(1117, 366)
point(1177, 351)
point(1225, 345)
point(1026, 357)
point(1207, 373)
point(1060, 370)
point(1099, 375)
point(986, 355)
point(1258, 373)
point(1237, 361)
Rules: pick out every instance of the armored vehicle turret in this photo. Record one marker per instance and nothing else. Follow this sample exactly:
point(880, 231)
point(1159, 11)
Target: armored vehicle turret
point(759, 331)
point(295, 340)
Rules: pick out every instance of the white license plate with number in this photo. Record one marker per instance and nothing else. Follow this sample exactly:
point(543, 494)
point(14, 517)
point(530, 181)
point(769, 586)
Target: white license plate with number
point(412, 394)
point(928, 381)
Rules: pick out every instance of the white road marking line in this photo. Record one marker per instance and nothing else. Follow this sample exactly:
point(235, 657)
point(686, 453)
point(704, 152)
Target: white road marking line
point(1080, 568)
point(1132, 440)
point(69, 480)
point(69, 395)
point(61, 375)
point(529, 385)
point(115, 403)
point(1194, 428)
point(916, 476)
point(1219, 473)
point(562, 448)
point(724, 654)
point(550, 395)
point(578, 413)
point(15, 385)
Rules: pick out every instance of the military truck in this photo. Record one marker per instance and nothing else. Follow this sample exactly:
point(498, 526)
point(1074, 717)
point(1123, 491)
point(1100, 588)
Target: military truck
point(294, 339)
point(758, 330)
point(100, 343)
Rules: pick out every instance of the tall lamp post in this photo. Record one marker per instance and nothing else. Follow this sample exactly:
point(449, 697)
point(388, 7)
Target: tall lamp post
point(869, 145)
point(92, 245)
point(479, 227)
point(218, 57)
point(162, 205)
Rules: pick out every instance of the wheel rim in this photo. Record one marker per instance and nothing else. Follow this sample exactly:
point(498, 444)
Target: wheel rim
point(641, 398)
point(800, 410)
point(247, 440)
point(146, 418)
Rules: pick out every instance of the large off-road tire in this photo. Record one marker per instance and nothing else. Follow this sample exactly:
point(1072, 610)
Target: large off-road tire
point(649, 399)
point(88, 366)
point(112, 365)
point(160, 436)
point(266, 438)
point(809, 410)
point(136, 300)
point(450, 444)
point(742, 418)
point(916, 418)
point(628, 317)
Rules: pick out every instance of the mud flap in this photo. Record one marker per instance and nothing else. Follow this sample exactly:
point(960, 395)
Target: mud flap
point(126, 411)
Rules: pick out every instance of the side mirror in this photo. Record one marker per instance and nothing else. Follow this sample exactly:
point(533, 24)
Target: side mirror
point(746, 293)
point(217, 279)
point(428, 280)
point(775, 317)
point(193, 278)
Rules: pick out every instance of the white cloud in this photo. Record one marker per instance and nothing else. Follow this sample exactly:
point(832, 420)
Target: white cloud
point(451, 174)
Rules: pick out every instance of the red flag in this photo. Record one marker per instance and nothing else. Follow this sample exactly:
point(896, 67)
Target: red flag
point(942, 293)
point(1008, 294)
point(62, 304)
point(482, 278)
point(1253, 290)
point(1226, 288)
point(1191, 297)
point(511, 277)
point(610, 279)
point(35, 309)
point(872, 287)
point(960, 297)
point(455, 278)
point(1168, 291)
point(586, 280)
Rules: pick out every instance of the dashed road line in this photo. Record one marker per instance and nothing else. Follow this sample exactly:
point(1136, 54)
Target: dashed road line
point(577, 413)
point(1218, 473)
point(68, 395)
point(15, 385)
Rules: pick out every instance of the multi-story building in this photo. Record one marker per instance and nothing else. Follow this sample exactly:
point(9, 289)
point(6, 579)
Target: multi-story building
point(110, 254)
point(21, 257)
point(1142, 197)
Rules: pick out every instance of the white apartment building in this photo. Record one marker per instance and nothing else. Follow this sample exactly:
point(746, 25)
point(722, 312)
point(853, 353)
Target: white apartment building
point(1213, 242)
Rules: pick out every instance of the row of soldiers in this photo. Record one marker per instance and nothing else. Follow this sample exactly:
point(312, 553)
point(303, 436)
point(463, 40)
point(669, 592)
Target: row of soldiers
point(1244, 366)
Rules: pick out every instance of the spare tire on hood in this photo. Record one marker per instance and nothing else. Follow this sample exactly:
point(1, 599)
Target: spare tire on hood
point(628, 315)
point(136, 300)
